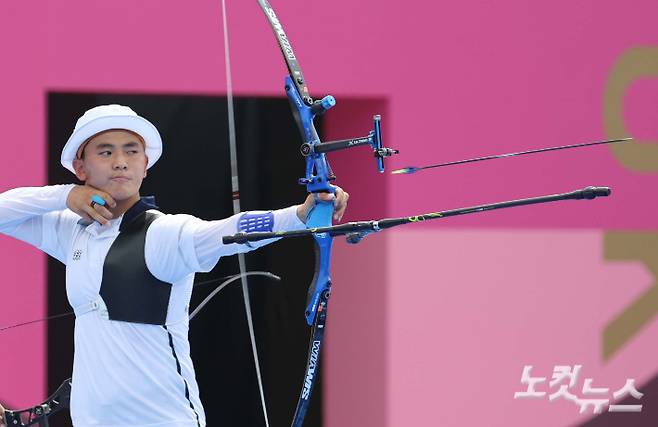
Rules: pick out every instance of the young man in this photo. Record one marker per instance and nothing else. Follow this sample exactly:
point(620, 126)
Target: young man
point(129, 270)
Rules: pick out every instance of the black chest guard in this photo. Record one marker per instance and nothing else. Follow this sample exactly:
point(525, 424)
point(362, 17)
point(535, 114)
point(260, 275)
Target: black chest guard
point(129, 290)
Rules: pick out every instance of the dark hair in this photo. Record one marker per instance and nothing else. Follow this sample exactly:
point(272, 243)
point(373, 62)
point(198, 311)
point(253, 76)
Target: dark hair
point(83, 146)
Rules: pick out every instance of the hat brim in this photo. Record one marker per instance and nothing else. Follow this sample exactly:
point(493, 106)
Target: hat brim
point(136, 124)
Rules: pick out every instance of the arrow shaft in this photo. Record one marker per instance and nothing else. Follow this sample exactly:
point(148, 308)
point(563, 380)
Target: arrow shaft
point(413, 169)
point(521, 153)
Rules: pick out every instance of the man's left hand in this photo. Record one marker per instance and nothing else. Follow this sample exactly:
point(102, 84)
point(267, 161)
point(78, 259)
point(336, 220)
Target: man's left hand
point(339, 199)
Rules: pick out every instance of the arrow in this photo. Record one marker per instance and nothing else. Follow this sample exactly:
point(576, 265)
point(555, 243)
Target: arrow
point(414, 169)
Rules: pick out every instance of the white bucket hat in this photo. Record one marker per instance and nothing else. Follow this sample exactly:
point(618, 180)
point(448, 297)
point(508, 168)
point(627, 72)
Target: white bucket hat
point(107, 117)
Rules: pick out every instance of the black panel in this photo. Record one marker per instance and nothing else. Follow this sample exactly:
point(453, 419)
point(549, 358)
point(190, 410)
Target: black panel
point(194, 177)
point(129, 290)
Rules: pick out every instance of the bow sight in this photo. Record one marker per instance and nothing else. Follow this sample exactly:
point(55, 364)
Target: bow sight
point(318, 171)
point(374, 139)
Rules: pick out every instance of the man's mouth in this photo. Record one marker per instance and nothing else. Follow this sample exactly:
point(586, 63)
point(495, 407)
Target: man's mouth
point(120, 179)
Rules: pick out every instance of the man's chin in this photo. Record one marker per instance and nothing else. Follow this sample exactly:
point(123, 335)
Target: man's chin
point(120, 192)
point(122, 195)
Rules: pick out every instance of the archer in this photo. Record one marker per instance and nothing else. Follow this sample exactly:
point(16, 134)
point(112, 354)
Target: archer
point(130, 269)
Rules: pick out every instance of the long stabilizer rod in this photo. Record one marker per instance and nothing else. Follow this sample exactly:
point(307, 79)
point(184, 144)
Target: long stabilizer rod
point(414, 169)
point(355, 231)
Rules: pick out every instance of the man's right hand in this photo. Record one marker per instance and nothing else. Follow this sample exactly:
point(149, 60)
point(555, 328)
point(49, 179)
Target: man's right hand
point(79, 201)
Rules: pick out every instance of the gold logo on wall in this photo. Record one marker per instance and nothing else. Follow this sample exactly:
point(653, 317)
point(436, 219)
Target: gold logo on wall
point(634, 64)
point(641, 156)
point(626, 246)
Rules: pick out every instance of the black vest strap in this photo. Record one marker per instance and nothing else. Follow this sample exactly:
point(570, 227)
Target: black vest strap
point(129, 290)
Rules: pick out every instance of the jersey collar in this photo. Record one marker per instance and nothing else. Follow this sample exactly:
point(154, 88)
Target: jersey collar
point(142, 205)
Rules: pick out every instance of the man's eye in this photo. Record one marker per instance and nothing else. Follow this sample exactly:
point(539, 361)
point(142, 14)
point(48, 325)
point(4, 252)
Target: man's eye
point(133, 151)
point(105, 153)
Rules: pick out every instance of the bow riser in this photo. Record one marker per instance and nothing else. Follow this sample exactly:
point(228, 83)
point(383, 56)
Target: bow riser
point(318, 171)
point(321, 283)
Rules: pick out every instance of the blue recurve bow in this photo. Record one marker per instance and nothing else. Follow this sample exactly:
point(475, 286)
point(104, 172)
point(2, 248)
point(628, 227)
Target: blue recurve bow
point(318, 179)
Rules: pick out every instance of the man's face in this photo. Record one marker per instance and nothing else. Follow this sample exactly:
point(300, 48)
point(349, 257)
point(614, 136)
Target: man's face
point(113, 161)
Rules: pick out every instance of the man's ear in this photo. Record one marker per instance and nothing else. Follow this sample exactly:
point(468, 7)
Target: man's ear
point(79, 167)
point(146, 163)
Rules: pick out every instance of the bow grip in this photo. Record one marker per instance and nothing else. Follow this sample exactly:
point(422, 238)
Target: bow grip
point(320, 216)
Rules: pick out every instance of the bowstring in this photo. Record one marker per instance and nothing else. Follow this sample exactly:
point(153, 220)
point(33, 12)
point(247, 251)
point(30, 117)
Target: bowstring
point(236, 207)
point(230, 280)
point(226, 280)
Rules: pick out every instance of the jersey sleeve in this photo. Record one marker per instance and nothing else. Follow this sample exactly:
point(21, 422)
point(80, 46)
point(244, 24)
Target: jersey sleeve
point(179, 245)
point(39, 217)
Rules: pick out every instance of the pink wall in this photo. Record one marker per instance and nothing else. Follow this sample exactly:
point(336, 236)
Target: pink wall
point(484, 303)
point(457, 80)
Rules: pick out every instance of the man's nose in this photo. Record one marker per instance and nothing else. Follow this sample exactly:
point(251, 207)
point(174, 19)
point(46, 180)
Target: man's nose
point(120, 162)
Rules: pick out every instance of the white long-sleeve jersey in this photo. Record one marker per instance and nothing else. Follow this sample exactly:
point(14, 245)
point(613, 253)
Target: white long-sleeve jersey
point(127, 374)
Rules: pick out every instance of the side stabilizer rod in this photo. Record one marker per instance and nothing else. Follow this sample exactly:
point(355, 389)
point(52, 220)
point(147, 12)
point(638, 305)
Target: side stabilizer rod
point(356, 231)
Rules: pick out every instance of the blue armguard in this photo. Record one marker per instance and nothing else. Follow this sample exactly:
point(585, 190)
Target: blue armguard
point(251, 222)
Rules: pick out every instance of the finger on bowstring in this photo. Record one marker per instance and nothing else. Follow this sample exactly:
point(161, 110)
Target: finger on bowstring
point(103, 211)
point(109, 200)
point(94, 215)
point(85, 217)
